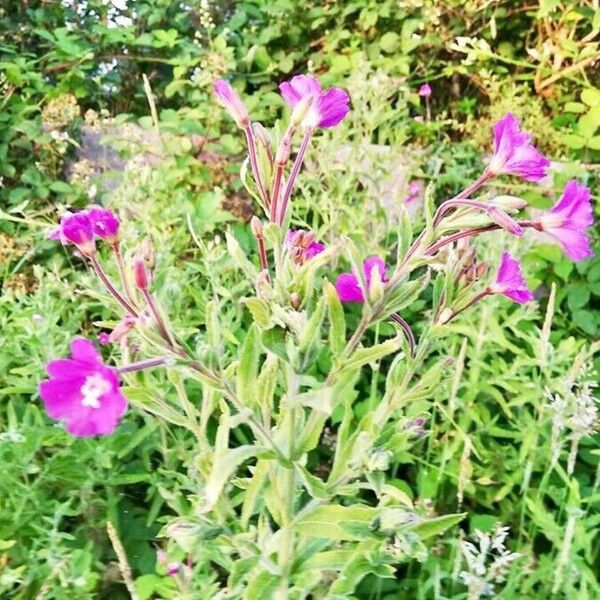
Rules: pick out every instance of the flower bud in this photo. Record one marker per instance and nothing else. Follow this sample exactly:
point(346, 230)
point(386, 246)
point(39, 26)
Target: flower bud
point(504, 220)
point(140, 273)
point(147, 253)
point(256, 227)
point(295, 300)
point(379, 460)
point(263, 137)
point(376, 286)
point(445, 316)
point(232, 103)
point(509, 202)
point(284, 150)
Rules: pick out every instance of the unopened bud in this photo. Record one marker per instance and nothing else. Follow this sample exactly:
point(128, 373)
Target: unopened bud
point(140, 273)
point(481, 269)
point(445, 316)
point(121, 329)
point(147, 252)
point(263, 137)
point(295, 300)
point(284, 150)
point(256, 227)
point(232, 102)
point(504, 220)
point(510, 202)
point(376, 286)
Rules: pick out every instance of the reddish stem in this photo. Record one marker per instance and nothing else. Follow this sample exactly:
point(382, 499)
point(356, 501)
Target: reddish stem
point(408, 332)
point(294, 174)
point(122, 273)
point(110, 287)
point(254, 164)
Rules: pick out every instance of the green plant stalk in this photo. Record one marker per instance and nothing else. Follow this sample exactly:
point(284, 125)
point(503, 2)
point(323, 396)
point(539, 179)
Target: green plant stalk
point(286, 555)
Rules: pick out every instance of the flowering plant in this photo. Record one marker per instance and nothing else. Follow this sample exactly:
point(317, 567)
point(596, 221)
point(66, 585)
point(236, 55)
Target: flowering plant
point(263, 408)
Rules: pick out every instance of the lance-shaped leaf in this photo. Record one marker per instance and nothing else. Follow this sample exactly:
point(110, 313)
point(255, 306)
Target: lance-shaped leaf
point(260, 311)
point(239, 257)
point(363, 356)
point(404, 234)
point(311, 331)
point(336, 522)
point(247, 371)
point(337, 320)
point(224, 466)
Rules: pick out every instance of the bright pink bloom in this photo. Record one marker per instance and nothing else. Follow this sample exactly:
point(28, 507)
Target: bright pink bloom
point(348, 285)
point(232, 102)
point(513, 152)
point(510, 282)
point(321, 109)
point(569, 219)
point(83, 391)
point(105, 223)
point(76, 229)
point(425, 91)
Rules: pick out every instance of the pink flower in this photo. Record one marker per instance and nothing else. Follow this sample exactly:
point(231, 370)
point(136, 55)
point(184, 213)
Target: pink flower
point(510, 282)
point(513, 152)
point(232, 102)
point(81, 227)
point(316, 108)
point(419, 119)
point(569, 219)
point(425, 91)
point(76, 229)
point(83, 391)
point(105, 223)
point(348, 286)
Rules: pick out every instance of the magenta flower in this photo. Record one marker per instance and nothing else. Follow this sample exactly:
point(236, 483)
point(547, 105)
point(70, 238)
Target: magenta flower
point(513, 152)
point(105, 224)
point(569, 219)
point(425, 91)
point(510, 282)
point(318, 108)
point(348, 287)
point(83, 392)
point(232, 102)
point(76, 229)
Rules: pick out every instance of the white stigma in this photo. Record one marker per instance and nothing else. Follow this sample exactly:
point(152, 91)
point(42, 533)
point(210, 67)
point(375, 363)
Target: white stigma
point(94, 387)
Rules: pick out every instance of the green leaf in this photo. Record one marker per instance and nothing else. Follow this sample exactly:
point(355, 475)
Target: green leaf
point(337, 321)
point(575, 107)
point(389, 42)
point(223, 468)
point(586, 321)
point(247, 371)
point(363, 356)
point(594, 143)
point(591, 96)
point(573, 141)
point(260, 311)
point(437, 525)
point(336, 522)
point(578, 296)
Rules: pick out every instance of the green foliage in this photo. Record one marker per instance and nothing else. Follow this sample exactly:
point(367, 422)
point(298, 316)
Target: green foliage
point(381, 510)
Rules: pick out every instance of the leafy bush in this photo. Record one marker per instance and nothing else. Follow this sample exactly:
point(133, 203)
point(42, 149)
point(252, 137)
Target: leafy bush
point(495, 424)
